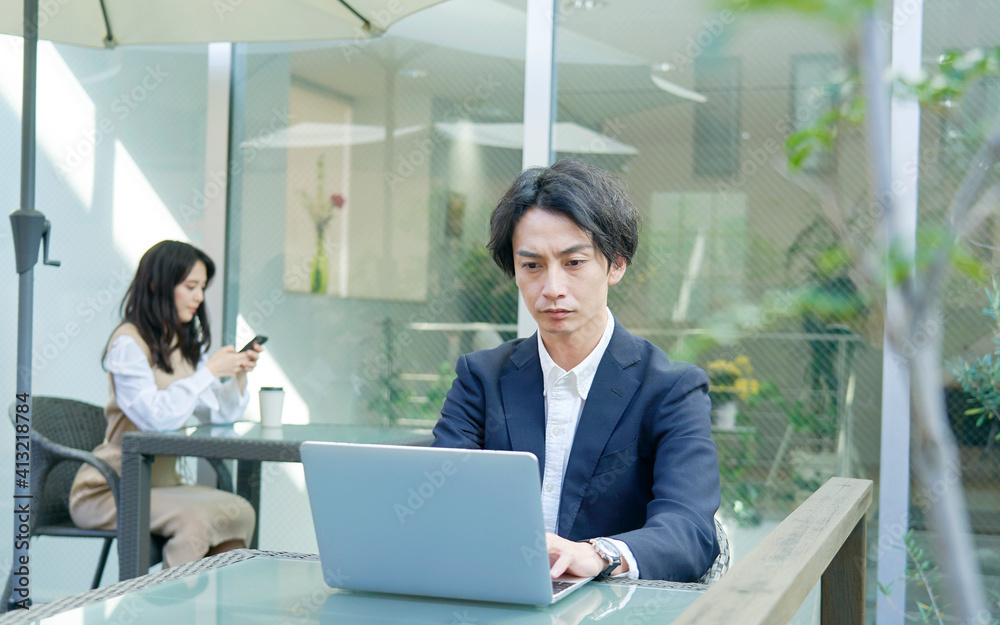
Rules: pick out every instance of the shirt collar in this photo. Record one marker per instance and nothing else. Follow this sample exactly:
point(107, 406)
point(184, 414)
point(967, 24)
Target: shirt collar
point(581, 376)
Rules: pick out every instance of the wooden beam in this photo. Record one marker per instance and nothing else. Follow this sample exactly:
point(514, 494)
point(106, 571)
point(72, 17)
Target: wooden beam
point(771, 582)
point(843, 586)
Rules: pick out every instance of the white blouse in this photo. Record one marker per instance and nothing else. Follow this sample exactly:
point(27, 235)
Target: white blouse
point(152, 409)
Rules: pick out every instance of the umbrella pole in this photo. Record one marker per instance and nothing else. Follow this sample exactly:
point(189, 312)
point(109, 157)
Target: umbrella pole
point(29, 228)
point(28, 104)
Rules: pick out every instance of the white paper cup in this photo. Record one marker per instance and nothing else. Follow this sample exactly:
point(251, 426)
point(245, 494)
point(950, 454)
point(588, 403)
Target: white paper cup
point(271, 400)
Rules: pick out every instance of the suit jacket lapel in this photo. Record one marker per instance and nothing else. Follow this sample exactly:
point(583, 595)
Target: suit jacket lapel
point(523, 402)
point(609, 396)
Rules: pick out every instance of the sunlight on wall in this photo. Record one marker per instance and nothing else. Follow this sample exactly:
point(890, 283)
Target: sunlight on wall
point(269, 373)
point(140, 219)
point(66, 135)
point(139, 216)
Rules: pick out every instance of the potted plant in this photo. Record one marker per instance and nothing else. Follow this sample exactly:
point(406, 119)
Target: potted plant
point(730, 383)
point(733, 389)
point(981, 378)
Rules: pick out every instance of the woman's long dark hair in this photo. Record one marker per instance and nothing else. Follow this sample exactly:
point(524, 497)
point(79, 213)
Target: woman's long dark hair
point(150, 306)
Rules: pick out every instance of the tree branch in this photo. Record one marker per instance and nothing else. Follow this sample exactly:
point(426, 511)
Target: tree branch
point(958, 211)
point(936, 461)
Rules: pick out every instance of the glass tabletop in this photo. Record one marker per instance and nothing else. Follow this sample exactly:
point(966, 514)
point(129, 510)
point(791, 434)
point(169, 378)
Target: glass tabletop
point(251, 430)
point(279, 590)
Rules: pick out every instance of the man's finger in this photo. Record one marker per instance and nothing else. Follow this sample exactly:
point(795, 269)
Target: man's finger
point(561, 564)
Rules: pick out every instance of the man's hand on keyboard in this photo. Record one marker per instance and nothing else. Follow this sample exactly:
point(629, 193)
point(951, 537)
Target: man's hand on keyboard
point(569, 558)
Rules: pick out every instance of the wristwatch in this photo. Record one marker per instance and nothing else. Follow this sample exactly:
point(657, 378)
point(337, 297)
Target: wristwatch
point(609, 552)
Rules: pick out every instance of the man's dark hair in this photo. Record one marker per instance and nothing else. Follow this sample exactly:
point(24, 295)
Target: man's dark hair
point(590, 197)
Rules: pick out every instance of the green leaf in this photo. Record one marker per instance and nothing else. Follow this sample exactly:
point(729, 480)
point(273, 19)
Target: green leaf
point(968, 265)
point(843, 13)
point(832, 260)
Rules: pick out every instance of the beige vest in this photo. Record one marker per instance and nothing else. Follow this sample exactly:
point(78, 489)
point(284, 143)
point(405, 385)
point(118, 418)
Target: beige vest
point(88, 480)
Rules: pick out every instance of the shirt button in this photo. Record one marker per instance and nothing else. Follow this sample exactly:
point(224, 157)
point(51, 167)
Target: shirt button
point(548, 488)
point(556, 431)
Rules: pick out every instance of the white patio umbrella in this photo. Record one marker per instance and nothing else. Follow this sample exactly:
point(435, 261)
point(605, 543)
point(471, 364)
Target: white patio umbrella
point(110, 23)
point(494, 28)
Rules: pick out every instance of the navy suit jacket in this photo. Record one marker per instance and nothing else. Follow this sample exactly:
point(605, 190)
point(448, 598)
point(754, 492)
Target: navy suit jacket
point(643, 468)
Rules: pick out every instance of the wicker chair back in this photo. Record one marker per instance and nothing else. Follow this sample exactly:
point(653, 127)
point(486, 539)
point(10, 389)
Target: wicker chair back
point(66, 422)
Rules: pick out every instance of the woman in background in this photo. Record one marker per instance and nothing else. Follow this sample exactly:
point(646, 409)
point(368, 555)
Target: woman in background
point(160, 376)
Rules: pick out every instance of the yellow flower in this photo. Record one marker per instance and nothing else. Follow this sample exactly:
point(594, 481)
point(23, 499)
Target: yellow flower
point(745, 387)
point(742, 386)
point(723, 367)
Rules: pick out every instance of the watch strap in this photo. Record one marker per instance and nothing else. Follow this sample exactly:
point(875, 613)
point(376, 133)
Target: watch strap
point(612, 557)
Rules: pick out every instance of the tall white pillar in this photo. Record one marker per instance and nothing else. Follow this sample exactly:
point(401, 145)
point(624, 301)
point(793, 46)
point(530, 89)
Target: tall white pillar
point(539, 105)
point(216, 174)
point(894, 471)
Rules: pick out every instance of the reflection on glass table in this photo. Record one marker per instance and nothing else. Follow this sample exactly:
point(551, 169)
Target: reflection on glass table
point(272, 589)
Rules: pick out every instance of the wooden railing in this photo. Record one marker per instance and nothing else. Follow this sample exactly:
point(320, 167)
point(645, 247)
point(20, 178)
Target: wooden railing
point(824, 538)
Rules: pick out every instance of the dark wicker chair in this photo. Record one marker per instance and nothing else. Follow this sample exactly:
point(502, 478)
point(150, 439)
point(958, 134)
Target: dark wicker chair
point(64, 434)
point(721, 564)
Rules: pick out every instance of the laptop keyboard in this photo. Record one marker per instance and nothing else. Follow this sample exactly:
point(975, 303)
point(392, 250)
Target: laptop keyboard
point(559, 586)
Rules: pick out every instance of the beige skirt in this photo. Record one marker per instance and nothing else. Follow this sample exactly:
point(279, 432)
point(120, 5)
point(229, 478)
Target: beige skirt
point(193, 518)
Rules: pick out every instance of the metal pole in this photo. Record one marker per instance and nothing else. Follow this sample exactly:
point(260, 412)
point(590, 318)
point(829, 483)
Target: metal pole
point(386, 271)
point(28, 104)
point(234, 190)
point(20, 569)
point(30, 229)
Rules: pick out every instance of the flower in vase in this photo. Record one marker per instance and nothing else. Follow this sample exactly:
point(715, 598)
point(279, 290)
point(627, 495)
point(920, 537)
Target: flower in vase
point(320, 207)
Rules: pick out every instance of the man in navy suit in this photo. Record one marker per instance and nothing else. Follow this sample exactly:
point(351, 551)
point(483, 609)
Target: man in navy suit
point(629, 472)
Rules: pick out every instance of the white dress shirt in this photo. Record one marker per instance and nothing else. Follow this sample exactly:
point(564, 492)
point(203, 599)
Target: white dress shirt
point(153, 409)
point(565, 395)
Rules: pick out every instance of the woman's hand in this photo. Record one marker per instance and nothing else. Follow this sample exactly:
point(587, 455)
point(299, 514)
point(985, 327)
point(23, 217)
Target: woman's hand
point(228, 362)
point(252, 355)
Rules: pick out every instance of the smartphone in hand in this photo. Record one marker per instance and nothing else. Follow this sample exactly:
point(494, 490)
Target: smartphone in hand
point(259, 340)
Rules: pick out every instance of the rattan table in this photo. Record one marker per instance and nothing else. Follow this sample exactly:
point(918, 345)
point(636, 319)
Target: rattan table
point(247, 443)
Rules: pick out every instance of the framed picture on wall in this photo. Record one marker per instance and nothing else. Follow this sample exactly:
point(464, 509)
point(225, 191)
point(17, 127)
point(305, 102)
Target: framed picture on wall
point(317, 191)
point(345, 234)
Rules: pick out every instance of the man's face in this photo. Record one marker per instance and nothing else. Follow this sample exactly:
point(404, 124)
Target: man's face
point(563, 277)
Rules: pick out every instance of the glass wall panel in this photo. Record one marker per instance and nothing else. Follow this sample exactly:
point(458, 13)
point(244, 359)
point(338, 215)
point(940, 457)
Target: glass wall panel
point(741, 264)
point(369, 169)
point(950, 137)
point(121, 163)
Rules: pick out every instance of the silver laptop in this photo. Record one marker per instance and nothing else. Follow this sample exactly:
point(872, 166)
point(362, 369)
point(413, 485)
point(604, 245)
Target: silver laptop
point(435, 522)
